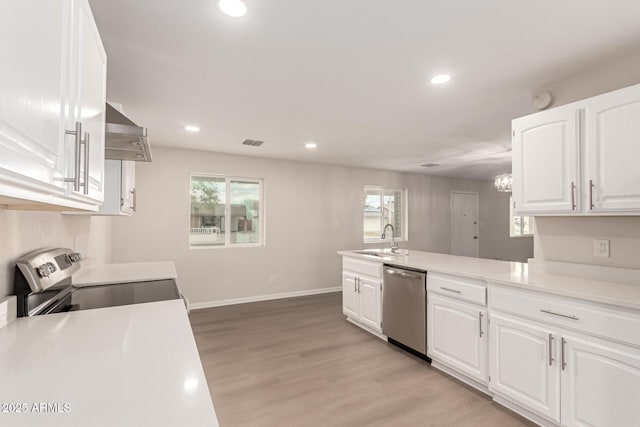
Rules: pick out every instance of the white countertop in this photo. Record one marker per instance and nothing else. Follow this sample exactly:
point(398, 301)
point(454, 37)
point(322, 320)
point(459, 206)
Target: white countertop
point(127, 272)
point(515, 274)
point(127, 365)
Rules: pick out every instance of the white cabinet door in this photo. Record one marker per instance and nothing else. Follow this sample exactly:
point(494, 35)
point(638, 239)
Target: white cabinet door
point(33, 40)
point(350, 296)
point(546, 161)
point(524, 366)
point(370, 307)
point(457, 336)
point(128, 187)
point(90, 96)
point(613, 150)
point(600, 383)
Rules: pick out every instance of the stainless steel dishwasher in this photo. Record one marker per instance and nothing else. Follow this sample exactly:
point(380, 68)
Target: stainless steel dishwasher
point(404, 308)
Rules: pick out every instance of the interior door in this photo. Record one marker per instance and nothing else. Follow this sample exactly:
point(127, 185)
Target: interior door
point(457, 336)
point(34, 38)
point(524, 366)
point(546, 159)
point(612, 151)
point(350, 296)
point(370, 307)
point(600, 383)
point(464, 224)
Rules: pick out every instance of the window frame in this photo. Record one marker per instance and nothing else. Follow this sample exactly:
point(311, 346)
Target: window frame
point(511, 222)
point(227, 206)
point(405, 213)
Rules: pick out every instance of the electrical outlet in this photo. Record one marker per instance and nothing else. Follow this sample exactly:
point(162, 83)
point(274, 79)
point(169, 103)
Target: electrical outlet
point(601, 248)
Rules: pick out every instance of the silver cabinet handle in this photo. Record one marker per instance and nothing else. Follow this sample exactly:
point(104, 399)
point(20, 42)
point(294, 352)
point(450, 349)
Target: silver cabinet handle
point(358, 285)
point(450, 290)
point(133, 192)
point(480, 322)
point(562, 360)
point(550, 349)
point(591, 194)
point(355, 284)
point(86, 162)
point(573, 196)
point(76, 169)
point(566, 316)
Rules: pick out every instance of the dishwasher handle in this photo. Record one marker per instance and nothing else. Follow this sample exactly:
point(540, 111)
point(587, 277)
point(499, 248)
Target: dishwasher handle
point(404, 274)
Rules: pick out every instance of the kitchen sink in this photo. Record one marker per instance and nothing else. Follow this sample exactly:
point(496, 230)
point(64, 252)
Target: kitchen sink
point(383, 253)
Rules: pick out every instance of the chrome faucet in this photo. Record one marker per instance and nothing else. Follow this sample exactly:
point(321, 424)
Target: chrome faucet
point(394, 246)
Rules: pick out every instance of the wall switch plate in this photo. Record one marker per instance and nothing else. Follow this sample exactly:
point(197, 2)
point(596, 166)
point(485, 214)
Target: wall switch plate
point(601, 248)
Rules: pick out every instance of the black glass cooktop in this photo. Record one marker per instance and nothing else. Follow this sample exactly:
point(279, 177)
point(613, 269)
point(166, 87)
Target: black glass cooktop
point(100, 296)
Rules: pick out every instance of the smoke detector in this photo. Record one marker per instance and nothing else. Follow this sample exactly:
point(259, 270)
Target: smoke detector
point(542, 100)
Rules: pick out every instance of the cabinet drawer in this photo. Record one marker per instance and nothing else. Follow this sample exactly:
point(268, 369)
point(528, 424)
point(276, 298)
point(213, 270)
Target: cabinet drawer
point(471, 290)
point(368, 268)
point(617, 324)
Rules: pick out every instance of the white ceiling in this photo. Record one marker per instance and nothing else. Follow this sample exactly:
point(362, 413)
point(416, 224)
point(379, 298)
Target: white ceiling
point(352, 75)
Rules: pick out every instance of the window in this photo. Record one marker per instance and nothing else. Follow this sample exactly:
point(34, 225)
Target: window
point(520, 225)
point(225, 212)
point(384, 206)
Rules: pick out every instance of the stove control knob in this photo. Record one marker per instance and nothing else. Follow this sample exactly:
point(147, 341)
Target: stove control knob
point(44, 270)
point(52, 267)
point(75, 256)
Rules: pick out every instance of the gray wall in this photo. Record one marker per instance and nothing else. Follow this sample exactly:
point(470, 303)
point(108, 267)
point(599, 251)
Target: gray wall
point(312, 211)
point(25, 231)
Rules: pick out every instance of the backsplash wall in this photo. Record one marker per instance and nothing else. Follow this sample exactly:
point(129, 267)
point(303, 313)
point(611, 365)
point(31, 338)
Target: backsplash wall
point(571, 239)
point(24, 231)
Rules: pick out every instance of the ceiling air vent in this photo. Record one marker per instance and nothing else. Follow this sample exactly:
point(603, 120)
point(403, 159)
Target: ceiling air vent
point(252, 142)
point(430, 165)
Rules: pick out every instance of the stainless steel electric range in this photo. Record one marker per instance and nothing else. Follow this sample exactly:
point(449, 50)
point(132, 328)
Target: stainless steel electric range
point(44, 285)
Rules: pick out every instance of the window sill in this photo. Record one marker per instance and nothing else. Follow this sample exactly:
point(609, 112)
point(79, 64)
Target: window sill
point(518, 236)
point(238, 246)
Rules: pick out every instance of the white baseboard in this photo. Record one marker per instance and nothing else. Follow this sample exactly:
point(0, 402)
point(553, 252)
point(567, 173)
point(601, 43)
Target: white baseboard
point(367, 328)
point(523, 412)
point(462, 377)
point(244, 300)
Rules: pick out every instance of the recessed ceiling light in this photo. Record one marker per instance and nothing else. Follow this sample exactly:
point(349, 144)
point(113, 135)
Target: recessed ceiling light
point(311, 145)
point(442, 78)
point(234, 8)
point(192, 128)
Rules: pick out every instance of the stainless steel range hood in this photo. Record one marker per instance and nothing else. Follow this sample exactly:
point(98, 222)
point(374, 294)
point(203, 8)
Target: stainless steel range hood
point(125, 140)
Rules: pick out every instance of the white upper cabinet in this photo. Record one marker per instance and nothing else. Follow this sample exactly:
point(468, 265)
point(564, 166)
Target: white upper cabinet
point(90, 99)
point(579, 158)
point(56, 79)
point(34, 40)
point(546, 158)
point(119, 188)
point(612, 151)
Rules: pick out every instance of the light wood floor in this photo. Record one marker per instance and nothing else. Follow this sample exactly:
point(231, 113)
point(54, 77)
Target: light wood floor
point(298, 362)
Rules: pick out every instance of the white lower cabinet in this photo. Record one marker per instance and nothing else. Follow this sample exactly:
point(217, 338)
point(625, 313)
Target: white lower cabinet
point(524, 365)
point(350, 296)
point(600, 383)
point(457, 336)
point(561, 361)
point(370, 307)
point(362, 292)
